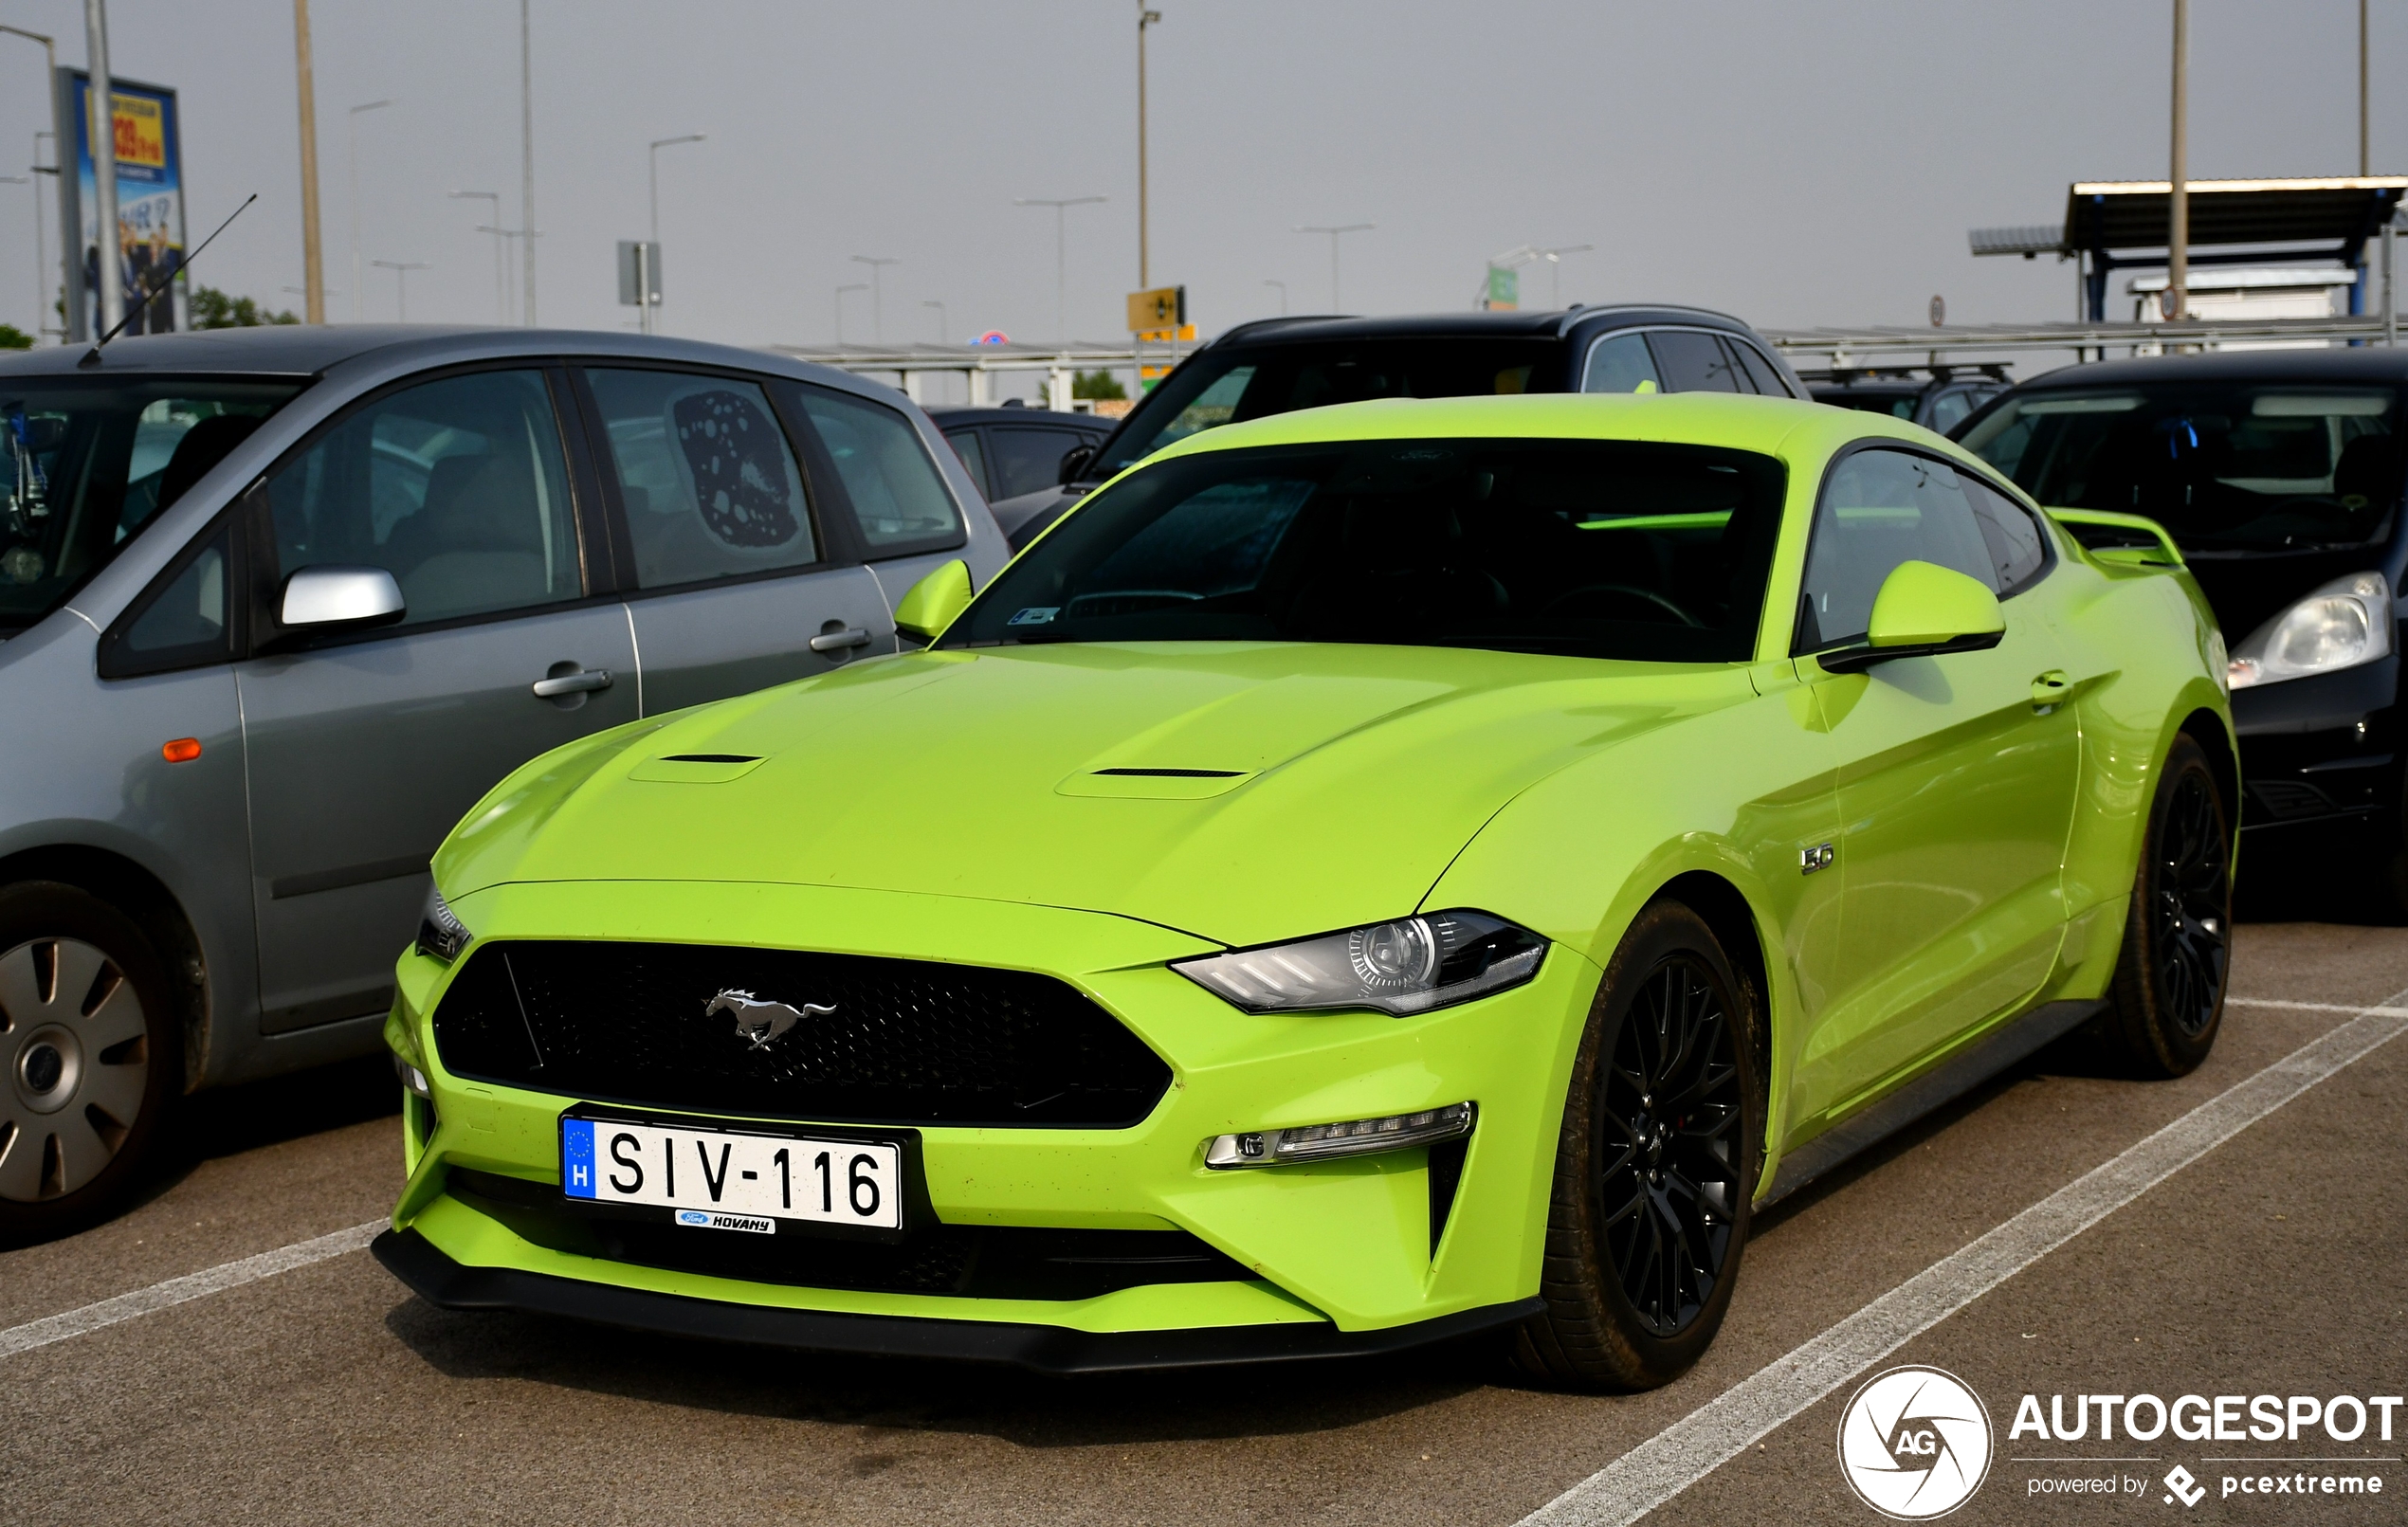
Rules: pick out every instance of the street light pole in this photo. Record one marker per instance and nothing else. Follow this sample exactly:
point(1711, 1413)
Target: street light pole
point(1145, 18)
point(401, 270)
point(848, 286)
point(49, 73)
point(644, 297)
point(1555, 269)
point(944, 324)
point(1334, 232)
point(2366, 157)
point(2177, 205)
point(313, 256)
point(500, 312)
point(877, 294)
point(28, 180)
point(503, 233)
point(101, 122)
point(1061, 251)
point(526, 154)
point(352, 147)
point(1283, 296)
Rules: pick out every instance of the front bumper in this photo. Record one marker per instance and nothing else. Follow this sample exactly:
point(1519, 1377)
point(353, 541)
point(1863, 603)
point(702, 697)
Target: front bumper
point(1351, 1255)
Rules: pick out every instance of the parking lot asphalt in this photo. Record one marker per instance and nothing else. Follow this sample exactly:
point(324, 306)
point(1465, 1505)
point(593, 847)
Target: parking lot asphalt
point(2270, 1265)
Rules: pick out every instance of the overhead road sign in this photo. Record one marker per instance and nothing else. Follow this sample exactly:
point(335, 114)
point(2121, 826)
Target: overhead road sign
point(2111, 224)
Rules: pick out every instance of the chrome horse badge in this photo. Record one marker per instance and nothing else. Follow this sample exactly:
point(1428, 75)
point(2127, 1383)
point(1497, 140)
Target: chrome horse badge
point(761, 1022)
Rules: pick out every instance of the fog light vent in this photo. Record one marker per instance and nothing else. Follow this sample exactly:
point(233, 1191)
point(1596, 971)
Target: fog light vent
point(1324, 1142)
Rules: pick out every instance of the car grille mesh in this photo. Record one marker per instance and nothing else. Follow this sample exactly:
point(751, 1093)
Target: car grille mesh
point(908, 1040)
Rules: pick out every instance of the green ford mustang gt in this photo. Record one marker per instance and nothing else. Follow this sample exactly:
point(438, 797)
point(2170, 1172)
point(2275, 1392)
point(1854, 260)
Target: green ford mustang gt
point(1369, 875)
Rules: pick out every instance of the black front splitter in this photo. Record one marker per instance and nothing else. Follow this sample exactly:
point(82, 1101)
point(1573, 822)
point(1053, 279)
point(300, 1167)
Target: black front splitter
point(1045, 1349)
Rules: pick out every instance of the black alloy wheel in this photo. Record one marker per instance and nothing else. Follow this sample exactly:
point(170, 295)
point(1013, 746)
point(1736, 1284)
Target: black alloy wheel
point(1666, 1155)
point(1655, 1165)
point(2170, 975)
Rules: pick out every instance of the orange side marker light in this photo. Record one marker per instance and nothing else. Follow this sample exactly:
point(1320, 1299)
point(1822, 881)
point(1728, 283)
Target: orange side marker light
point(183, 750)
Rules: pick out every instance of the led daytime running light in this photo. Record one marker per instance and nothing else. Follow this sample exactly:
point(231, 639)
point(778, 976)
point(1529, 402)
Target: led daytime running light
point(1408, 965)
point(1325, 1142)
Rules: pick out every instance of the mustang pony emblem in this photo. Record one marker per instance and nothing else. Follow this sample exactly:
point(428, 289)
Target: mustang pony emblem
point(761, 1022)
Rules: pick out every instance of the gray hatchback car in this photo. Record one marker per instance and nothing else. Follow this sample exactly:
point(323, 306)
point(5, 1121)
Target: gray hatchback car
point(276, 606)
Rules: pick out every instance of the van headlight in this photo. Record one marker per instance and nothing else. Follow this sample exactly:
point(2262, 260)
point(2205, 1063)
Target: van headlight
point(2342, 625)
point(1409, 964)
point(440, 934)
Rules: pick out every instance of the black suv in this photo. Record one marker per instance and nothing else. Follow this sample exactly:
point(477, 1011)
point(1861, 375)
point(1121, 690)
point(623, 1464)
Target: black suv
point(1278, 365)
point(1014, 449)
point(2280, 475)
point(1937, 397)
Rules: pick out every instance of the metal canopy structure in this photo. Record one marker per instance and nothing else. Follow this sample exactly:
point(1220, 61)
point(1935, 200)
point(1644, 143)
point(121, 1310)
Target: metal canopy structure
point(2112, 225)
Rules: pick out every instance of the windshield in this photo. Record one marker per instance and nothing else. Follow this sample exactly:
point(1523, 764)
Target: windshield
point(1583, 548)
point(2229, 467)
point(84, 463)
point(1224, 387)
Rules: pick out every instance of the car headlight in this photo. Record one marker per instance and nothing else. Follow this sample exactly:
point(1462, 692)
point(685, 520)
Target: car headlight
point(2344, 624)
point(1408, 965)
point(440, 934)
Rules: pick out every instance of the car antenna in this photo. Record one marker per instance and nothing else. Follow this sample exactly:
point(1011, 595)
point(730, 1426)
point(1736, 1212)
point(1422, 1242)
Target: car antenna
point(92, 356)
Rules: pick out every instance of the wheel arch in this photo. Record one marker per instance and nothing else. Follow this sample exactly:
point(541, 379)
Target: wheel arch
point(2208, 730)
point(1727, 912)
point(135, 890)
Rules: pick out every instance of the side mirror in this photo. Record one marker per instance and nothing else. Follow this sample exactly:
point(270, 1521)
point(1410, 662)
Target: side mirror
point(328, 596)
point(1074, 461)
point(934, 602)
point(1922, 610)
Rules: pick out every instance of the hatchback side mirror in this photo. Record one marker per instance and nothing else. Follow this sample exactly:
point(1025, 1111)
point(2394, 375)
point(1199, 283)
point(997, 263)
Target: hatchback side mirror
point(1074, 461)
point(935, 602)
point(332, 596)
point(1922, 610)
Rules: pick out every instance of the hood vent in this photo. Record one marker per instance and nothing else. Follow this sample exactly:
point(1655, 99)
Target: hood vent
point(696, 768)
point(1174, 773)
point(1132, 784)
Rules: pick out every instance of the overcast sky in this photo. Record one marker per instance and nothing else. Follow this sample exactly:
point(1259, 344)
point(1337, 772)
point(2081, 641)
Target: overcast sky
point(1797, 164)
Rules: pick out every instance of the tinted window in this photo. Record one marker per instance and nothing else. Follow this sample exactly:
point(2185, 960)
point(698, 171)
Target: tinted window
point(710, 484)
point(184, 622)
point(974, 457)
point(2220, 465)
point(1585, 548)
point(85, 464)
point(1219, 388)
point(1880, 508)
point(899, 501)
point(1620, 363)
point(1949, 409)
point(456, 487)
point(1692, 361)
point(2018, 547)
point(1028, 460)
point(1759, 370)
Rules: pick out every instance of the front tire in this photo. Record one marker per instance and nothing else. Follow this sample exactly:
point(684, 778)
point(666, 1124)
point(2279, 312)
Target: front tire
point(1655, 1165)
point(89, 1056)
point(2170, 975)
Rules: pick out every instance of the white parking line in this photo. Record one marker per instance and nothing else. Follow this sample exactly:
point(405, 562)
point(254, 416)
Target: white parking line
point(1718, 1430)
point(176, 1291)
point(2313, 1007)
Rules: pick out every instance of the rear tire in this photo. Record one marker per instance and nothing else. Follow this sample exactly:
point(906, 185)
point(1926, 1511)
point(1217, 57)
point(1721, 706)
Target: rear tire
point(1655, 1165)
point(90, 1055)
point(2170, 975)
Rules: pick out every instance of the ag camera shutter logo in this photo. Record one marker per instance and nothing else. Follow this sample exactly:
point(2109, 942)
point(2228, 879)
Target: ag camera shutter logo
point(1914, 1443)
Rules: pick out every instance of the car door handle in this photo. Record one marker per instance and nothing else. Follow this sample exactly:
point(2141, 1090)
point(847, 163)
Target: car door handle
point(838, 640)
point(2049, 687)
point(571, 683)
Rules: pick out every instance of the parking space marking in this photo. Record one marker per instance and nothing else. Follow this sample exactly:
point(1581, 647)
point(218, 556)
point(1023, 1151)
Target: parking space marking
point(2313, 1007)
point(177, 1291)
point(1725, 1426)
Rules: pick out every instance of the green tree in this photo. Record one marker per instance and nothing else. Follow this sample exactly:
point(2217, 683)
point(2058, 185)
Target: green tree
point(214, 309)
point(13, 337)
point(1096, 384)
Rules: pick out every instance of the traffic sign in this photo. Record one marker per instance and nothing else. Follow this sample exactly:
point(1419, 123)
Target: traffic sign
point(1505, 290)
point(1184, 333)
point(1164, 307)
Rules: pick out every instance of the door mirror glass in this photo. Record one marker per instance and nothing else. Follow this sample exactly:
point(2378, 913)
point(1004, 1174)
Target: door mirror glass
point(935, 601)
point(334, 595)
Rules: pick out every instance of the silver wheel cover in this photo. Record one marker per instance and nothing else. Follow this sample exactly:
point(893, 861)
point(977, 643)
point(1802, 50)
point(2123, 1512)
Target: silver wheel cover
point(73, 1065)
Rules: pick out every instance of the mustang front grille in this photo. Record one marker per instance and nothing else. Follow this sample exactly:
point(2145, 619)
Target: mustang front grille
point(782, 1034)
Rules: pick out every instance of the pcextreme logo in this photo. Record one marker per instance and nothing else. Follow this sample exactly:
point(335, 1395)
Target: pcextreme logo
point(1914, 1443)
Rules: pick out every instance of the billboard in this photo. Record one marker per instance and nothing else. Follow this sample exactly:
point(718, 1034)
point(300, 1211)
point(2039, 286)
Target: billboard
point(148, 242)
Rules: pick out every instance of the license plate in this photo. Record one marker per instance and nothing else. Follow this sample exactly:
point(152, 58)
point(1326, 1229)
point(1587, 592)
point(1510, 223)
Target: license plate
point(723, 1179)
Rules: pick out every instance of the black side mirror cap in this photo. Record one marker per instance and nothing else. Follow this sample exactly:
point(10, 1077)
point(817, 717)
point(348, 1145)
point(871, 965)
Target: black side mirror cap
point(1075, 461)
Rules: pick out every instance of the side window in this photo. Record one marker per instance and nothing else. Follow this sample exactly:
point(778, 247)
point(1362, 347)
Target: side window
point(2019, 547)
point(1881, 508)
point(1759, 369)
point(1620, 363)
point(1949, 409)
point(974, 457)
point(708, 480)
point(184, 622)
point(1690, 360)
point(456, 487)
point(1028, 460)
point(898, 499)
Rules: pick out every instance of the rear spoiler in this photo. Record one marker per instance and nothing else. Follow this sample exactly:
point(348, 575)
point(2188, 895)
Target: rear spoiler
point(2162, 553)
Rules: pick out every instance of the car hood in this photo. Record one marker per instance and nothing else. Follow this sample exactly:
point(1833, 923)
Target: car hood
point(1241, 792)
